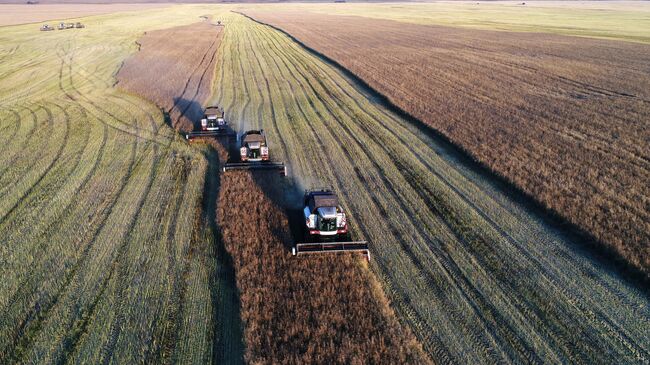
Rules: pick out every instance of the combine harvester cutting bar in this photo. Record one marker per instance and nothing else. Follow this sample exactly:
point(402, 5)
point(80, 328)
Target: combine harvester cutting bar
point(207, 134)
point(333, 247)
point(280, 166)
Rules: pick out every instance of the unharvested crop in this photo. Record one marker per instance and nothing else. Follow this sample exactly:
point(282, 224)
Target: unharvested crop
point(565, 119)
point(477, 275)
point(174, 68)
point(302, 310)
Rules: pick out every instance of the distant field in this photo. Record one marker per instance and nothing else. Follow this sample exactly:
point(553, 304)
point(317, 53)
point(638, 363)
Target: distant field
point(11, 14)
point(623, 20)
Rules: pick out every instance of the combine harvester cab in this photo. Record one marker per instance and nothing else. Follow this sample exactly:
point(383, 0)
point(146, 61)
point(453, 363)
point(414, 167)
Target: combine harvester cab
point(254, 154)
point(213, 124)
point(326, 226)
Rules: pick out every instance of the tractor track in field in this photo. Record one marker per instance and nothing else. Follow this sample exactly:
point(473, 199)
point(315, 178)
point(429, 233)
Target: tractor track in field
point(198, 68)
point(68, 209)
point(81, 271)
point(114, 201)
point(29, 90)
point(244, 106)
point(47, 169)
point(5, 144)
point(57, 185)
point(8, 53)
point(120, 266)
point(73, 338)
point(230, 105)
point(81, 186)
point(99, 108)
point(168, 337)
point(25, 143)
point(262, 99)
point(90, 237)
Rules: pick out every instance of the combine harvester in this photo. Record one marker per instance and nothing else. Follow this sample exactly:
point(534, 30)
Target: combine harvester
point(213, 124)
point(326, 226)
point(254, 154)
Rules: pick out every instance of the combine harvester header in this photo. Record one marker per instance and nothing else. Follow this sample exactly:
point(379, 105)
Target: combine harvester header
point(326, 226)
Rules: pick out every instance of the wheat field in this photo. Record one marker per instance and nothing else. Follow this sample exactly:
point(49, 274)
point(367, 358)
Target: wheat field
point(110, 247)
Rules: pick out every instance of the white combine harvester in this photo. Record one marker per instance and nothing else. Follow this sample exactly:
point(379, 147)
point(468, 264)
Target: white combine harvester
point(213, 124)
point(326, 226)
point(254, 154)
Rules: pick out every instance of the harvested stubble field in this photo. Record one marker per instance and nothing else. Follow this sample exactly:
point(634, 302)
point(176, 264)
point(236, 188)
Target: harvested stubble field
point(565, 119)
point(324, 310)
point(478, 276)
point(101, 258)
point(618, 19)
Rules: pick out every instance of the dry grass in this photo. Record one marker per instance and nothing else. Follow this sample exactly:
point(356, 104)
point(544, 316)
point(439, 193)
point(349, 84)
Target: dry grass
point(302, 310)
point(11, 14)
point(564, 119)
point(174, 68)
